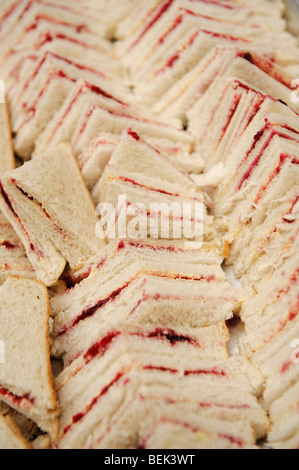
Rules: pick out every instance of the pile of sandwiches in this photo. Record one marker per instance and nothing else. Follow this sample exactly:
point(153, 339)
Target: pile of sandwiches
point(112, 336)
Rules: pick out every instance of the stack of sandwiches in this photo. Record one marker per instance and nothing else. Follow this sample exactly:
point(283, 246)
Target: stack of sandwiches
point(148, 148)
point(13, 258)
point(26, 383)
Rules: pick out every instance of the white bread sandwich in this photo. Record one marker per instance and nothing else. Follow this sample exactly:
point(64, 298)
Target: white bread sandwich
point(38, 215)
point(13, 259)
point(26, 377)
point(22, 14)
point(43, 94)
point(231, 96)
point(97, 119)
point(163, 208)
point(201, 404)
point(64, 123)
point(93, 160)
point(177, 429)
point(135, 157)
point(186, 55)
point(145, 24)
point(119, 372)
point(266, 151)
point(284, 415)
point(142, 283)
point(11, 437)
point(182, 96)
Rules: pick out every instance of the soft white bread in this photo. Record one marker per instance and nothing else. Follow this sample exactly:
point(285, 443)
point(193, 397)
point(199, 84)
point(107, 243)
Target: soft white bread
point(43, 94)
point(109, 373)
point(183, 95)
point(28, 428)
point(7, 162)
point(179, 430)
point(186, 54)
point(200, 404)
point(40, 217)
point(21, 16)
point(26, 376)
point(230, 97)
point(132, 210)
point(11, 437)
point(96, 118)
point(13, 259)
point(135, 170)
point(143, 284)
point(92, 161)
point(83, 96)
point(144, 165)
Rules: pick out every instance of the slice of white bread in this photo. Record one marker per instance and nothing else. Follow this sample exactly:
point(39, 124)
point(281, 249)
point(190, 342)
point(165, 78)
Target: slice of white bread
point(165, 252)
point(28, 428)
point(178, 430)
point(83, 405)
point(204, 404)
point(13, 259)
point(186, 55)
point(7, 162)
point(21, 15)
point(26, 376)
point(44, 93)
point(39, 215)
point(64, 123)
point(11, 437)
point(142, 284)
point(133, 210)
point(92, 161)
point(144, 165)
point(224, 95)
point(135, 170)
point(182, 96)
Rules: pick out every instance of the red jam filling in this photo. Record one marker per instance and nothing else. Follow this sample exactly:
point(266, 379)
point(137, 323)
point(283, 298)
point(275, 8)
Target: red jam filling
point(154, 20)
point(79, 416)
point(22, 402)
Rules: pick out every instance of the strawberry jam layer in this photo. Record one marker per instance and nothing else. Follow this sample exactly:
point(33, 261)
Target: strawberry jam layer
point(169, 335)
point(10, 246)
point(99, 348)
point(80, 416)
point(81, 91)
point(214, 372)
point(161, 11)
point(30, 198)
point(233, 440)
point(25, 402)
point(11, 209)
point(254, 164)
point(90, 311)
point(290, 317)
